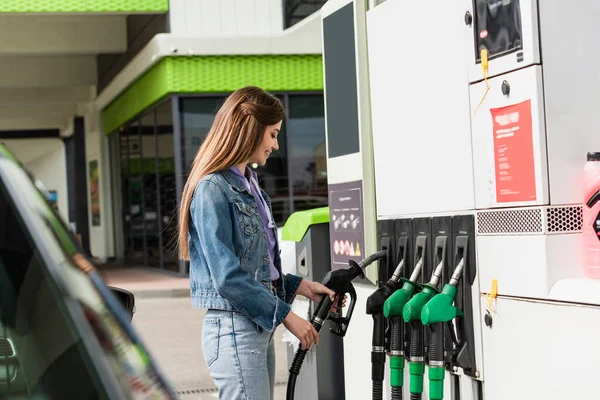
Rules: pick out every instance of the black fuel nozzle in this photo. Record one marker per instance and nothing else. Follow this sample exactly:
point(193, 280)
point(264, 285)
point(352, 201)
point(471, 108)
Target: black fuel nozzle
point(340, 281)
point(375, 304)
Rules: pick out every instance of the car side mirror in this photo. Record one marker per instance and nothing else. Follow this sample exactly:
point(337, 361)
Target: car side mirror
point(126, 299)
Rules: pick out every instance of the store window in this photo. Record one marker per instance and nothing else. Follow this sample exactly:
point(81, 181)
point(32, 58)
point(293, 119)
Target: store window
point(295, 177)
point(307, 152)
point(148, 193)
point(197, 116)
point(301, 150)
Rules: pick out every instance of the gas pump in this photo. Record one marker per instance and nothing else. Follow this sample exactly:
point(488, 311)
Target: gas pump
point(481, 129)
point(488, 132)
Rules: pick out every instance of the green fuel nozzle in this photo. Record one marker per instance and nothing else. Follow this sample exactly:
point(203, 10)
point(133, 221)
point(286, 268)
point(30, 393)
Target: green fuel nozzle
point(435, 313)
point(412, 309)
point(412, 315)
point(440, 308)
point(394, 305)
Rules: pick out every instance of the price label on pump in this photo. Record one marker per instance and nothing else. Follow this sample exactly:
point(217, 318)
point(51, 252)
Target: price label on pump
point(513, 153)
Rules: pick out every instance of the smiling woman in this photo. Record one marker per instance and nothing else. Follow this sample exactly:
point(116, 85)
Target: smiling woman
point(228, 234)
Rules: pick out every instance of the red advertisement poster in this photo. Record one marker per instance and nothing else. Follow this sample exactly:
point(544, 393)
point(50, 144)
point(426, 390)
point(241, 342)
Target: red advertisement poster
point(513, 153)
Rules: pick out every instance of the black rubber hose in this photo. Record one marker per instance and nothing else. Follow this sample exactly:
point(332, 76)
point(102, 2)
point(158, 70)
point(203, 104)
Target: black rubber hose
point(377, 390)
point(375, 256)
point(415, 396)
point(378, 356)
point(294, 372)
point(436, 342)
point(320, 315)
point(396, 393)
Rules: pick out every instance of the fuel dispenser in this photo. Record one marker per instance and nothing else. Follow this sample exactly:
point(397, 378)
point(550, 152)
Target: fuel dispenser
point(322, 374)
point(494, 136)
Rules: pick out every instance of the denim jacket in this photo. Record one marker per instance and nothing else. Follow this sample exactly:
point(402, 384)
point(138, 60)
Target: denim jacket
point(229, 258)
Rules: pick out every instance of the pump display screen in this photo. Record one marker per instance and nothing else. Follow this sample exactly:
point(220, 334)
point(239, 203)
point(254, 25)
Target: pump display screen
point(339, 58)
point(497, 27)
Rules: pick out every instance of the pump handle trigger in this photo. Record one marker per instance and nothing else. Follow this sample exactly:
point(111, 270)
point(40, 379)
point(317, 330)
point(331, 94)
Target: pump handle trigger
point(340, 323)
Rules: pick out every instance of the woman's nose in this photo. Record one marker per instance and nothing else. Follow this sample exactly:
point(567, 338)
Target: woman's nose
point(276, 145)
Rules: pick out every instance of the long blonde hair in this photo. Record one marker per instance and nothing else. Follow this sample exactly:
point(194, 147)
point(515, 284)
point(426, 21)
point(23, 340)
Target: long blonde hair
point(236, 133)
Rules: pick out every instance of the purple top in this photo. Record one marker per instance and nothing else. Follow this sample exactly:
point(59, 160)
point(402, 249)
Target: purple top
point(250, 180)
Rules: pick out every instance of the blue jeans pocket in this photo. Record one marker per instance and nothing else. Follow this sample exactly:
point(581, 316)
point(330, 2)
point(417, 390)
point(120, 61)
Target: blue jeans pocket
point(210, 340)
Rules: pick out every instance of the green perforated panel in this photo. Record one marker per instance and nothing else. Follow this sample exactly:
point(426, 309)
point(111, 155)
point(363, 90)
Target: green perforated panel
point(214, 74)
point(77, 6)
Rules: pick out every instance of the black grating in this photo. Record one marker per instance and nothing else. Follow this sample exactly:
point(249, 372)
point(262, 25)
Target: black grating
point(564, 219)
point(510, 221)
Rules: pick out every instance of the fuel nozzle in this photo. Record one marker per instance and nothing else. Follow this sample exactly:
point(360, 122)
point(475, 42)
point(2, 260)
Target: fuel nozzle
point(412, 315)
point(375, 304)
point(394, 305)
point(440, 308)
point(436, 330)
point(438, 311)
point(340, 281)
point(412, 309)
point(392, 309)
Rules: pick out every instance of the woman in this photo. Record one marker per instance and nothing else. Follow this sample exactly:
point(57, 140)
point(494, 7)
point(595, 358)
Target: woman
point(228, 234)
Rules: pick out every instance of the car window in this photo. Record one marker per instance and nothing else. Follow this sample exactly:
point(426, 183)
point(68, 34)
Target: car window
point(61, 334)
point(40, 350)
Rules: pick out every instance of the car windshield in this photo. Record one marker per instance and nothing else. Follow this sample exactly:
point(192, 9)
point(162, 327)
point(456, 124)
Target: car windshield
point(62, 333)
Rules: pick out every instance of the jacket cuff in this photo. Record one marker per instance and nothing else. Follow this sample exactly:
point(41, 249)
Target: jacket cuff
point(281, 311)
point(291, 283)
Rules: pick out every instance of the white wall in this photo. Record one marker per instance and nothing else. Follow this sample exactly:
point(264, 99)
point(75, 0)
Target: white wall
point(46, 160)
point(96, 148)
point(226, 17)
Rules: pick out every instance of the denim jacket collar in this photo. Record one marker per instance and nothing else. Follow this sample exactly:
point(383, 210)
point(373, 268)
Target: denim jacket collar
point(234, 181)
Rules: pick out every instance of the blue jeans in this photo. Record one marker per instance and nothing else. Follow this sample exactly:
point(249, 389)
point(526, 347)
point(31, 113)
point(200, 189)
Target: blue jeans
point(240, 356)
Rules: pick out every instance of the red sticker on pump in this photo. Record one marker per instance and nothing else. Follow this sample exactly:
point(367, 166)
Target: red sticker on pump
point(483, 34)
point(513, 153)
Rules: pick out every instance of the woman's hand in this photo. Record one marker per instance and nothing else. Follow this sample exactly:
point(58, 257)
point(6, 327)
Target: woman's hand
point(302, 329)
point(315, 291)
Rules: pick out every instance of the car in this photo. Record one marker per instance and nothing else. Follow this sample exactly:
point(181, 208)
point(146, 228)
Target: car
point(64, 334)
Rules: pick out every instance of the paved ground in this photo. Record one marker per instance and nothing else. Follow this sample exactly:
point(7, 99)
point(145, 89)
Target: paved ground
point(172, 331)
point(146, 282)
